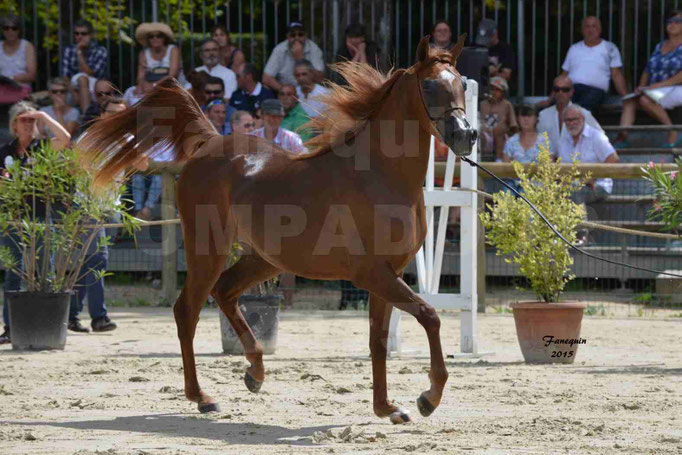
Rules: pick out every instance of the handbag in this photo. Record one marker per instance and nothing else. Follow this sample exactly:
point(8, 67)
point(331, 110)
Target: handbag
point(11, 91)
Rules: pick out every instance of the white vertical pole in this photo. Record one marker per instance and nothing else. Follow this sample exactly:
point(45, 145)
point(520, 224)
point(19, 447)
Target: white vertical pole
point(428, 244)
point(468, 244)
point(393, 343)
point(442, 225)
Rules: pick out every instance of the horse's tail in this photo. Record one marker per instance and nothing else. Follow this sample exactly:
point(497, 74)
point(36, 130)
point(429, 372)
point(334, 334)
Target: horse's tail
point(162, 120)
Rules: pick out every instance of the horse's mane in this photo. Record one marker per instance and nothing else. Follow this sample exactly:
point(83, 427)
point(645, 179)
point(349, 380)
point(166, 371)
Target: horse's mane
point(348, 108)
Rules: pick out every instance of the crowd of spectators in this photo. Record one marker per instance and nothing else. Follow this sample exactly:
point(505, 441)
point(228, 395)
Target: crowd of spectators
point(238, 99)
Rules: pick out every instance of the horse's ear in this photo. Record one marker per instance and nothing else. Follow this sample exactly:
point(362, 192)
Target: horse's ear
point(458, 47)
point(423, 49)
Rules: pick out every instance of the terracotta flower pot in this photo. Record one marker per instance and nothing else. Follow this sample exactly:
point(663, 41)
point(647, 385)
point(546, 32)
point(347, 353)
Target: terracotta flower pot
point(549, 332)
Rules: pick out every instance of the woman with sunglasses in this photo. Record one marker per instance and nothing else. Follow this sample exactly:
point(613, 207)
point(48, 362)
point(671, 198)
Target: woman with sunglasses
point(158, 51)
point(230, 55)
point(17, 61)
point(59, 110)
point(23, 126)
point(663, 72)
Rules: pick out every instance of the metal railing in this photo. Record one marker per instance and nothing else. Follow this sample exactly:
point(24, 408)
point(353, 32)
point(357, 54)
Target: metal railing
point(549, 28)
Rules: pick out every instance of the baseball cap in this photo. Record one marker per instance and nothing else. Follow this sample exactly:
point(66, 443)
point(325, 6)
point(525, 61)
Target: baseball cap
point(485, 31)
point(272, 107)
point(295, 25)
point(499, 82)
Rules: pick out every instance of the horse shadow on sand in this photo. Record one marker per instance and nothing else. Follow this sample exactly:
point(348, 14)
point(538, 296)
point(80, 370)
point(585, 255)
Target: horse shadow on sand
point(192, 426)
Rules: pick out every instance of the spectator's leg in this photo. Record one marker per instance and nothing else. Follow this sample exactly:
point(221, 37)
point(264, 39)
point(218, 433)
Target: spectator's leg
point(627, 118)
point(78, 297)
point(138, 190)
point(153, 196)
point(94, 286)
point(657, 112)
point(12, 280)
point(499, 138)
point(84, 96)
point(588, 97)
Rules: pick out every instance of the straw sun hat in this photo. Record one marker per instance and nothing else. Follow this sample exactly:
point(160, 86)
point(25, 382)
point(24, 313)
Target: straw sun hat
point(146, 28)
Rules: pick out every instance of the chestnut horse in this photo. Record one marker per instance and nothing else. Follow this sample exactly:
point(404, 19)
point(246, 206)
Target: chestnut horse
point(352, 209)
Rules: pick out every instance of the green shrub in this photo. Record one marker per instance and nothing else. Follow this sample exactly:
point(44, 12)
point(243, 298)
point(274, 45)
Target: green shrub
point(519, 232)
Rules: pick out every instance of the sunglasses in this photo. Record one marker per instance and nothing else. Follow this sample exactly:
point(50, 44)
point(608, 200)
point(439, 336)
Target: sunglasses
point(249, 125)
point(674, 20)
point(562, 89)
point(215, 103)
point(155, 35)
point(297, 34)
point(213, 92)
point(58, 91)
point(10, 27)
point(81, 33)
point(104, 93)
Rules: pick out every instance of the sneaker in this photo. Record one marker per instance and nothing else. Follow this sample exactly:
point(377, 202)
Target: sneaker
point(5, 338)
point(76, 326)
point(103, 324)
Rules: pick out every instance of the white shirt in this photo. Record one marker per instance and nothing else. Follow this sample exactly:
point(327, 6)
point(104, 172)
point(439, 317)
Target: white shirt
point(226, 74)
point(592, 147)
point(591, 65)
point(548, 120)
point(130, 97)
point(311, 106)
point(286, 139)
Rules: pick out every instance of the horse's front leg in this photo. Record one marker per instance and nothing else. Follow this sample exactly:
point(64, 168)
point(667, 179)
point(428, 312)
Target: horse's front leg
point(390, 287)
point(379, 321)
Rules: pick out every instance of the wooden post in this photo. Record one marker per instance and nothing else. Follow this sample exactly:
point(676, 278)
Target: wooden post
point(480, 256)
point(169, 240)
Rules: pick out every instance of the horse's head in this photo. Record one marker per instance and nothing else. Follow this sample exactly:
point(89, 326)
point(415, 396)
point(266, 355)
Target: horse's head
point(442, 92)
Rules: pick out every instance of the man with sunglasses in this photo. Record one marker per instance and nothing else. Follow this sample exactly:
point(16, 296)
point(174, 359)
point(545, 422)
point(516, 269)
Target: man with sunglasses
point(591, 64)
point(103, 90)
point(280, 67)
point(551, 118)
point(214, 91)
point(84, 62)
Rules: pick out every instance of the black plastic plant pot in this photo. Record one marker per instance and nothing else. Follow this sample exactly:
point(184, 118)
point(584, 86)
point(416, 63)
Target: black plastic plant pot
point(262, 315)
point(38, 320)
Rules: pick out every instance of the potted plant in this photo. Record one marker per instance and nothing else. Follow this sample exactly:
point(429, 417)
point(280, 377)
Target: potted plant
point(52, 217)
point(260, 308)
point(544, 328)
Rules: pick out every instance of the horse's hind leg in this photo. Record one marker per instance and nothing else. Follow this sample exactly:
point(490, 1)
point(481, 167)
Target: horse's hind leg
point(379, 319)
point(248, 271)
point(385, 283)
point(201, 276)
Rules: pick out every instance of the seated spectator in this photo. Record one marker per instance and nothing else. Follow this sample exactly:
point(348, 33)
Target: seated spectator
point(104, 89)
point(550, 119)
point(242, 122)
point(64, 114)
point(441, 36)
point(135, 93)
point(23, 126)
point(230, 55)
point(524, 146)
point(356, 48)
point(588, 145)
point(250, 92)
point(295, 116)
point(17, 62)
point(197, 81)
point(307, 90)
point(216, 113)
point(273, 114)
point(280, 67)
point(500, 54)
point(591, 64)
point(158, 51)
point(210, 56)
point(84, 62)
point(663, 73)
point(498, 117)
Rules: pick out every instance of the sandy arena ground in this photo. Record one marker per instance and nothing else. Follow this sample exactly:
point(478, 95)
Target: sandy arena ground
point(121, 392)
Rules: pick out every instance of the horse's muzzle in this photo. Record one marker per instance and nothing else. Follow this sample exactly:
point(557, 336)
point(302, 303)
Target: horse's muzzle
point(459, 135)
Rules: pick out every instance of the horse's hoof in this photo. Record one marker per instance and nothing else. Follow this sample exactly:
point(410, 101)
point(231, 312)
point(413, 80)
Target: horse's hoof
point(208, 407)
point(251, 384)
point(425, 406)
point(400, 416)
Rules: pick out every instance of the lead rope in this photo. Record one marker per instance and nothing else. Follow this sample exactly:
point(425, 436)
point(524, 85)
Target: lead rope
point(535, 209)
